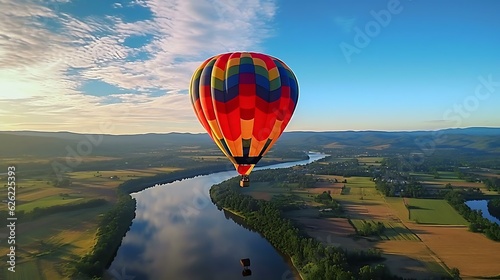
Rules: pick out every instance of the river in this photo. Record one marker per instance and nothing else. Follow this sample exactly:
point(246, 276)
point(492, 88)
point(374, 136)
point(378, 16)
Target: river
point(178, 233)
point(483, 206)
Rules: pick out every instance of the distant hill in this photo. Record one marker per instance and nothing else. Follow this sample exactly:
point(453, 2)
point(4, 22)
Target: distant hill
point(479, 139)
point(478, 131)
point(22, 143)
point(476, 138)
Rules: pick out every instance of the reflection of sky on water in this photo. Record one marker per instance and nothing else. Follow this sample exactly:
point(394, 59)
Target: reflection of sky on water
point(483, 206)
point(179, 234)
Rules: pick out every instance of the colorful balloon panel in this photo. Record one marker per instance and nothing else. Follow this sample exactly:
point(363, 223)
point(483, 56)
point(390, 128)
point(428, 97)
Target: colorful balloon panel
point(244, 100)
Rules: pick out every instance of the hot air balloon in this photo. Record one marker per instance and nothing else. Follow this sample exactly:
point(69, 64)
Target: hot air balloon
point(244, 100)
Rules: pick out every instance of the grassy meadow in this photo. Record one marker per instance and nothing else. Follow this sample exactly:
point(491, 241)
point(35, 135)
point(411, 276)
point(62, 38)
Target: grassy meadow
point(434, 211)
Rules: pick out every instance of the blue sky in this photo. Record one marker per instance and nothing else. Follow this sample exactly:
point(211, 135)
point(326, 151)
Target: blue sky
point(123, 67)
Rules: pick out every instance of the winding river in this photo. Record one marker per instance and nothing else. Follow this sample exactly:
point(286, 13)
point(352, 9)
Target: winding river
point(178, 233)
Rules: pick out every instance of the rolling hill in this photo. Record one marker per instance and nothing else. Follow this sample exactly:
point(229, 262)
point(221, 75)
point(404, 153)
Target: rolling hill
point(475, 139)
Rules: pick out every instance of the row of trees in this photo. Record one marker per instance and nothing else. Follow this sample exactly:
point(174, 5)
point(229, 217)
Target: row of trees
point(140, 184)
point(477, 222)
point(494, 207)
point(112, 227)
point(367, 229)
point(314, 259)
point(285, 178)
point(492, 184)
point(410, 188)
point(346, 168)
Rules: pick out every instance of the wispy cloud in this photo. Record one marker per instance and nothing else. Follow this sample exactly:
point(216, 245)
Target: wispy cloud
point(345, 24)
point(48, 53)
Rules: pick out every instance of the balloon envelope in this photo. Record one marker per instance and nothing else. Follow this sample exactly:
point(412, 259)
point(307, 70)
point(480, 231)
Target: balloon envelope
point(244, 100)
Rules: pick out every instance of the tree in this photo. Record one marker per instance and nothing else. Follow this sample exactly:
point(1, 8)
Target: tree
point(455, 273)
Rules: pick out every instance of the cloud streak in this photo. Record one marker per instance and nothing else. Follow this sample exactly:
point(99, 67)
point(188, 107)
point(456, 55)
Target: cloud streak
point(48, 53)
point(345, 24)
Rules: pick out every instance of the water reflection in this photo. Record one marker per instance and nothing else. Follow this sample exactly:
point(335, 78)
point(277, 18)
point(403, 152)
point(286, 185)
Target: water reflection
point(483, 206)
point(179, 234)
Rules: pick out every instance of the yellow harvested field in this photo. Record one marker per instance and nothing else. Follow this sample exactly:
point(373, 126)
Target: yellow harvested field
point(334, 145)
point(488, 174)
point(338, 226)
point(29, 159)
point(472, 253)
point(41, 193)
point(379, 147)
point(410, 259)
point(371, 160)
point(404, 258)
point(123, 174)
point(369, 210)
point(333, 231)
point(51, 271)
point(320, 187)
point(165, 169)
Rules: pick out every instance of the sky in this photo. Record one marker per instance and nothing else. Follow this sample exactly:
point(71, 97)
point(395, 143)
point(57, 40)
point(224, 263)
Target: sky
point(123, 67)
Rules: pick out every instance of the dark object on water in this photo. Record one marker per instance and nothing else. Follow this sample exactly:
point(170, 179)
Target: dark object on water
point(245, 181)
point(246, 272)
point(245, 262)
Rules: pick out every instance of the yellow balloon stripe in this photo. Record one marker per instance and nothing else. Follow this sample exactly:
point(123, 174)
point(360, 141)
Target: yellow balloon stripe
point(235, 147)
point(259, 62)
point(218, 73)
point(247, 129)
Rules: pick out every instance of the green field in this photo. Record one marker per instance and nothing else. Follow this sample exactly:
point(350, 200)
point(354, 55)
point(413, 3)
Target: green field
point(396, 203)
point(24, 271)
point(393, 230)
point(359, 188)
point(434, 211)
point(123, 174)
point(47, 202)
point(360, 182)
point(443, 178)
point(46, 244)
point(375, 161)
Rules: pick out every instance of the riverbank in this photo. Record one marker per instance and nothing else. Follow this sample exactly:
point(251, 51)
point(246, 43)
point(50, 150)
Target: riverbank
point(301, 276)
point(289, 257)
point(236, 213)
point(494, 208)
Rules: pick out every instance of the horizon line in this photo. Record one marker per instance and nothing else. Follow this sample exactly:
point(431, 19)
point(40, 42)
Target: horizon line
point(293, 131)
